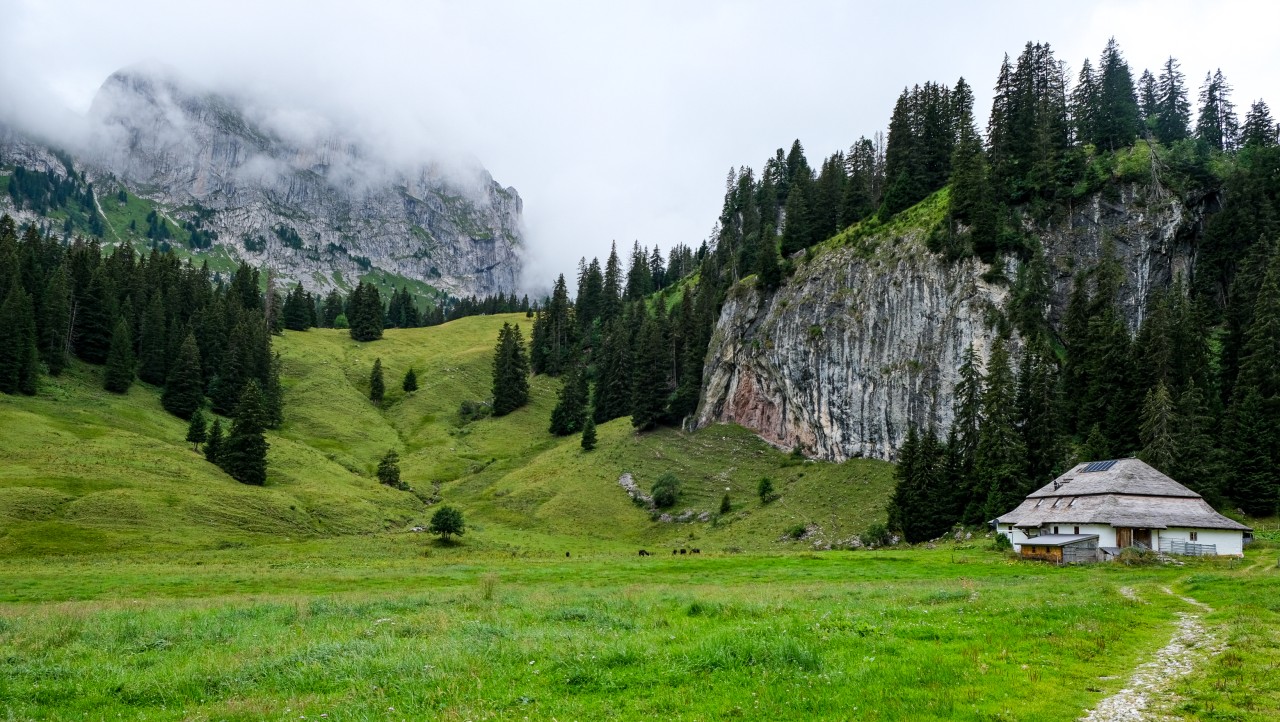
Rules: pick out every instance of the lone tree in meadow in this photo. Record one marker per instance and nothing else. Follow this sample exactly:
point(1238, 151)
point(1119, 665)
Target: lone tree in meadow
point(446, 522)
point(197, 431)
point(765, 490)
point(589, 434)
point(377, 388)
point(666, 490)
point(389, 470)
point(410, 383)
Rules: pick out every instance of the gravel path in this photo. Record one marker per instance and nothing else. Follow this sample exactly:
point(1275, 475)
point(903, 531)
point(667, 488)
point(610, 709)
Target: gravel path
point(1191, 644)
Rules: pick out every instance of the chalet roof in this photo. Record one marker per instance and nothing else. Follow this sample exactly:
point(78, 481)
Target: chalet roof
point(1060, 540)
point(1126, 493)
point(1120, 476)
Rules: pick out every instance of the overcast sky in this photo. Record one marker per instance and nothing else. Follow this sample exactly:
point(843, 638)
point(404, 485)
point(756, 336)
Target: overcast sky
point(614, 121)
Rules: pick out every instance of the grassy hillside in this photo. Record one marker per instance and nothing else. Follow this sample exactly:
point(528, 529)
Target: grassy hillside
point(83, 470)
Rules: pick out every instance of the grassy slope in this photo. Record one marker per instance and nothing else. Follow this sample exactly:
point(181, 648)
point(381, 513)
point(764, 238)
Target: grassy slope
point(85, 470)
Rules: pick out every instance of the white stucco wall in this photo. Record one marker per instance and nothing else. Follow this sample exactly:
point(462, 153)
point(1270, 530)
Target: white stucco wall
point(1229, 543)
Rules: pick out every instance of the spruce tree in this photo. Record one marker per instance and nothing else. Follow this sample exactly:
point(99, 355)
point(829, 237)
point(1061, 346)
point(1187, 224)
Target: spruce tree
point(510, 371)
point(19, 359)
point(389, 470)
point(55, 319)
point(1173, 111)
point(1001, 455)
point(120, 373)
point(613, 385)
point(377, 389)
point(410, 383)
point(589, 434)
point(569, 413)
point(1117, 120)
point(244, 453)
point(153, 355)
point(649, 379)
point(197, 430)
point(184, 388)
point(213, 445)
point(770, 268)
point(1158, 428)
point(1259, 130)
point(93, 319)
point(1217, 123)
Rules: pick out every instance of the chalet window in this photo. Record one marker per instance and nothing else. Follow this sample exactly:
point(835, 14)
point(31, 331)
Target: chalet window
point(1194, 535)
point(1055, 530)
point(1077, 530)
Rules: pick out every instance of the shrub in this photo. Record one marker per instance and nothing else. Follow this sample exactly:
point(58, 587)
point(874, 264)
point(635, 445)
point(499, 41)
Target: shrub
point(798, 531)
point(341, 321)
point(876, 535)
point(1002, 543)
point(666, 490)
point(725, 506)
point(469, 411)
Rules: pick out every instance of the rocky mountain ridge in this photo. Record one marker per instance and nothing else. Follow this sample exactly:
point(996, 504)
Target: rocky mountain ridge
point(308, 202)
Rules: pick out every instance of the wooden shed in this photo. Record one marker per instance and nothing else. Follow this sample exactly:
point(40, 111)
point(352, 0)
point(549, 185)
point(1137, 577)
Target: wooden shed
point(1062, 548)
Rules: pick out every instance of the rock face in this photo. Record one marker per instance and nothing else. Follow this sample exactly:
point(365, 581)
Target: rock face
point(866, 340)
point(297, 196)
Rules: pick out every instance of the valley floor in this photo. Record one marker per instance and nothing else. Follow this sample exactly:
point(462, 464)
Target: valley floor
point(396, 626)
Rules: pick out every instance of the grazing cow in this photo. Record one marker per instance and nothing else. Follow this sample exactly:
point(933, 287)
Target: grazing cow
point(566, 554)
point(644, 553)
point(675, 552)
point(682, 551)
point(695, 551)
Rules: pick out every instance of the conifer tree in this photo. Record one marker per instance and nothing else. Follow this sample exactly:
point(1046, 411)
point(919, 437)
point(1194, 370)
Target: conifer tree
point(613, 386)
point(213, 445)
point(365, 314)
point(153, 354)
point(377, 388)
point(797, 230)
point(510, 371)
point(1159, 420)
point(410, 383)
point(1116, 123)
point(649, 379)
point(197, 430)
point(963, 440)
point(273, 394)
point(184, 388)
point(570, 411)
point(1217, 123)
point(1001, 455)
point(93, 319)
point(19, 360)
point(611, 297)
point(1259, 130)
point(589, 434)
point(389, 470)
point(55, 320)
point(1173, 112)
point(119, 373)
point(770, 269)
point(244, 453)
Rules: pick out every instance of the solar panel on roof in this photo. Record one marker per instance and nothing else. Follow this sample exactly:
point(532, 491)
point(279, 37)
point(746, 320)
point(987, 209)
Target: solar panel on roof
point(1098, 466)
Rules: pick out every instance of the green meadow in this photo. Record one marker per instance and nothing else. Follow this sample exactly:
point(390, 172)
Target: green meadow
point(137, 581)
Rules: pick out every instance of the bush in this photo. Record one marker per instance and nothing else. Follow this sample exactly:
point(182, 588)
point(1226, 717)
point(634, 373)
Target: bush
point(725, 505)
point(798, 531)
point(470, 411)
point(1002, 543)
point(876, 535)
point(666, 491)
point(341, 321)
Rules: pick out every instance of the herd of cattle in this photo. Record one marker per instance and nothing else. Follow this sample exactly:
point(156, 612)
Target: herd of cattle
point(644, 553)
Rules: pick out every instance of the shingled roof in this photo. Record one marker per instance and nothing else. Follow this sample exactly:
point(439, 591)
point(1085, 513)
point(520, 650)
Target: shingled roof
point(1122, 492)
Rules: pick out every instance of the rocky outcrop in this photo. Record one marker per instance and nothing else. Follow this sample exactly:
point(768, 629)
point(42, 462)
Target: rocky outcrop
point(298, 197)
point(866, 339)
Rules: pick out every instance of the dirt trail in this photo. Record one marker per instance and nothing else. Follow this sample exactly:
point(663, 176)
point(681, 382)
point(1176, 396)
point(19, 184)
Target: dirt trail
point(1191, 644)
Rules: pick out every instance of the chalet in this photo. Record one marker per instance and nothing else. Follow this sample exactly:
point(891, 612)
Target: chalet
point(1111, 505)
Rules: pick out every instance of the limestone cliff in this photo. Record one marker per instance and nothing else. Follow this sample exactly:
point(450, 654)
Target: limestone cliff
point(294, 194)
point(866, 337)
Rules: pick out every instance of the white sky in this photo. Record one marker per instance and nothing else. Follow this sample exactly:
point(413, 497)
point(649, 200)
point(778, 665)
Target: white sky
point(614, 121)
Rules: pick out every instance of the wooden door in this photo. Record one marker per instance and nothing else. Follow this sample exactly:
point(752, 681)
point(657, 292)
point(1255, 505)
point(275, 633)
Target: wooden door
point(1124, 537)
point(1142, 536)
